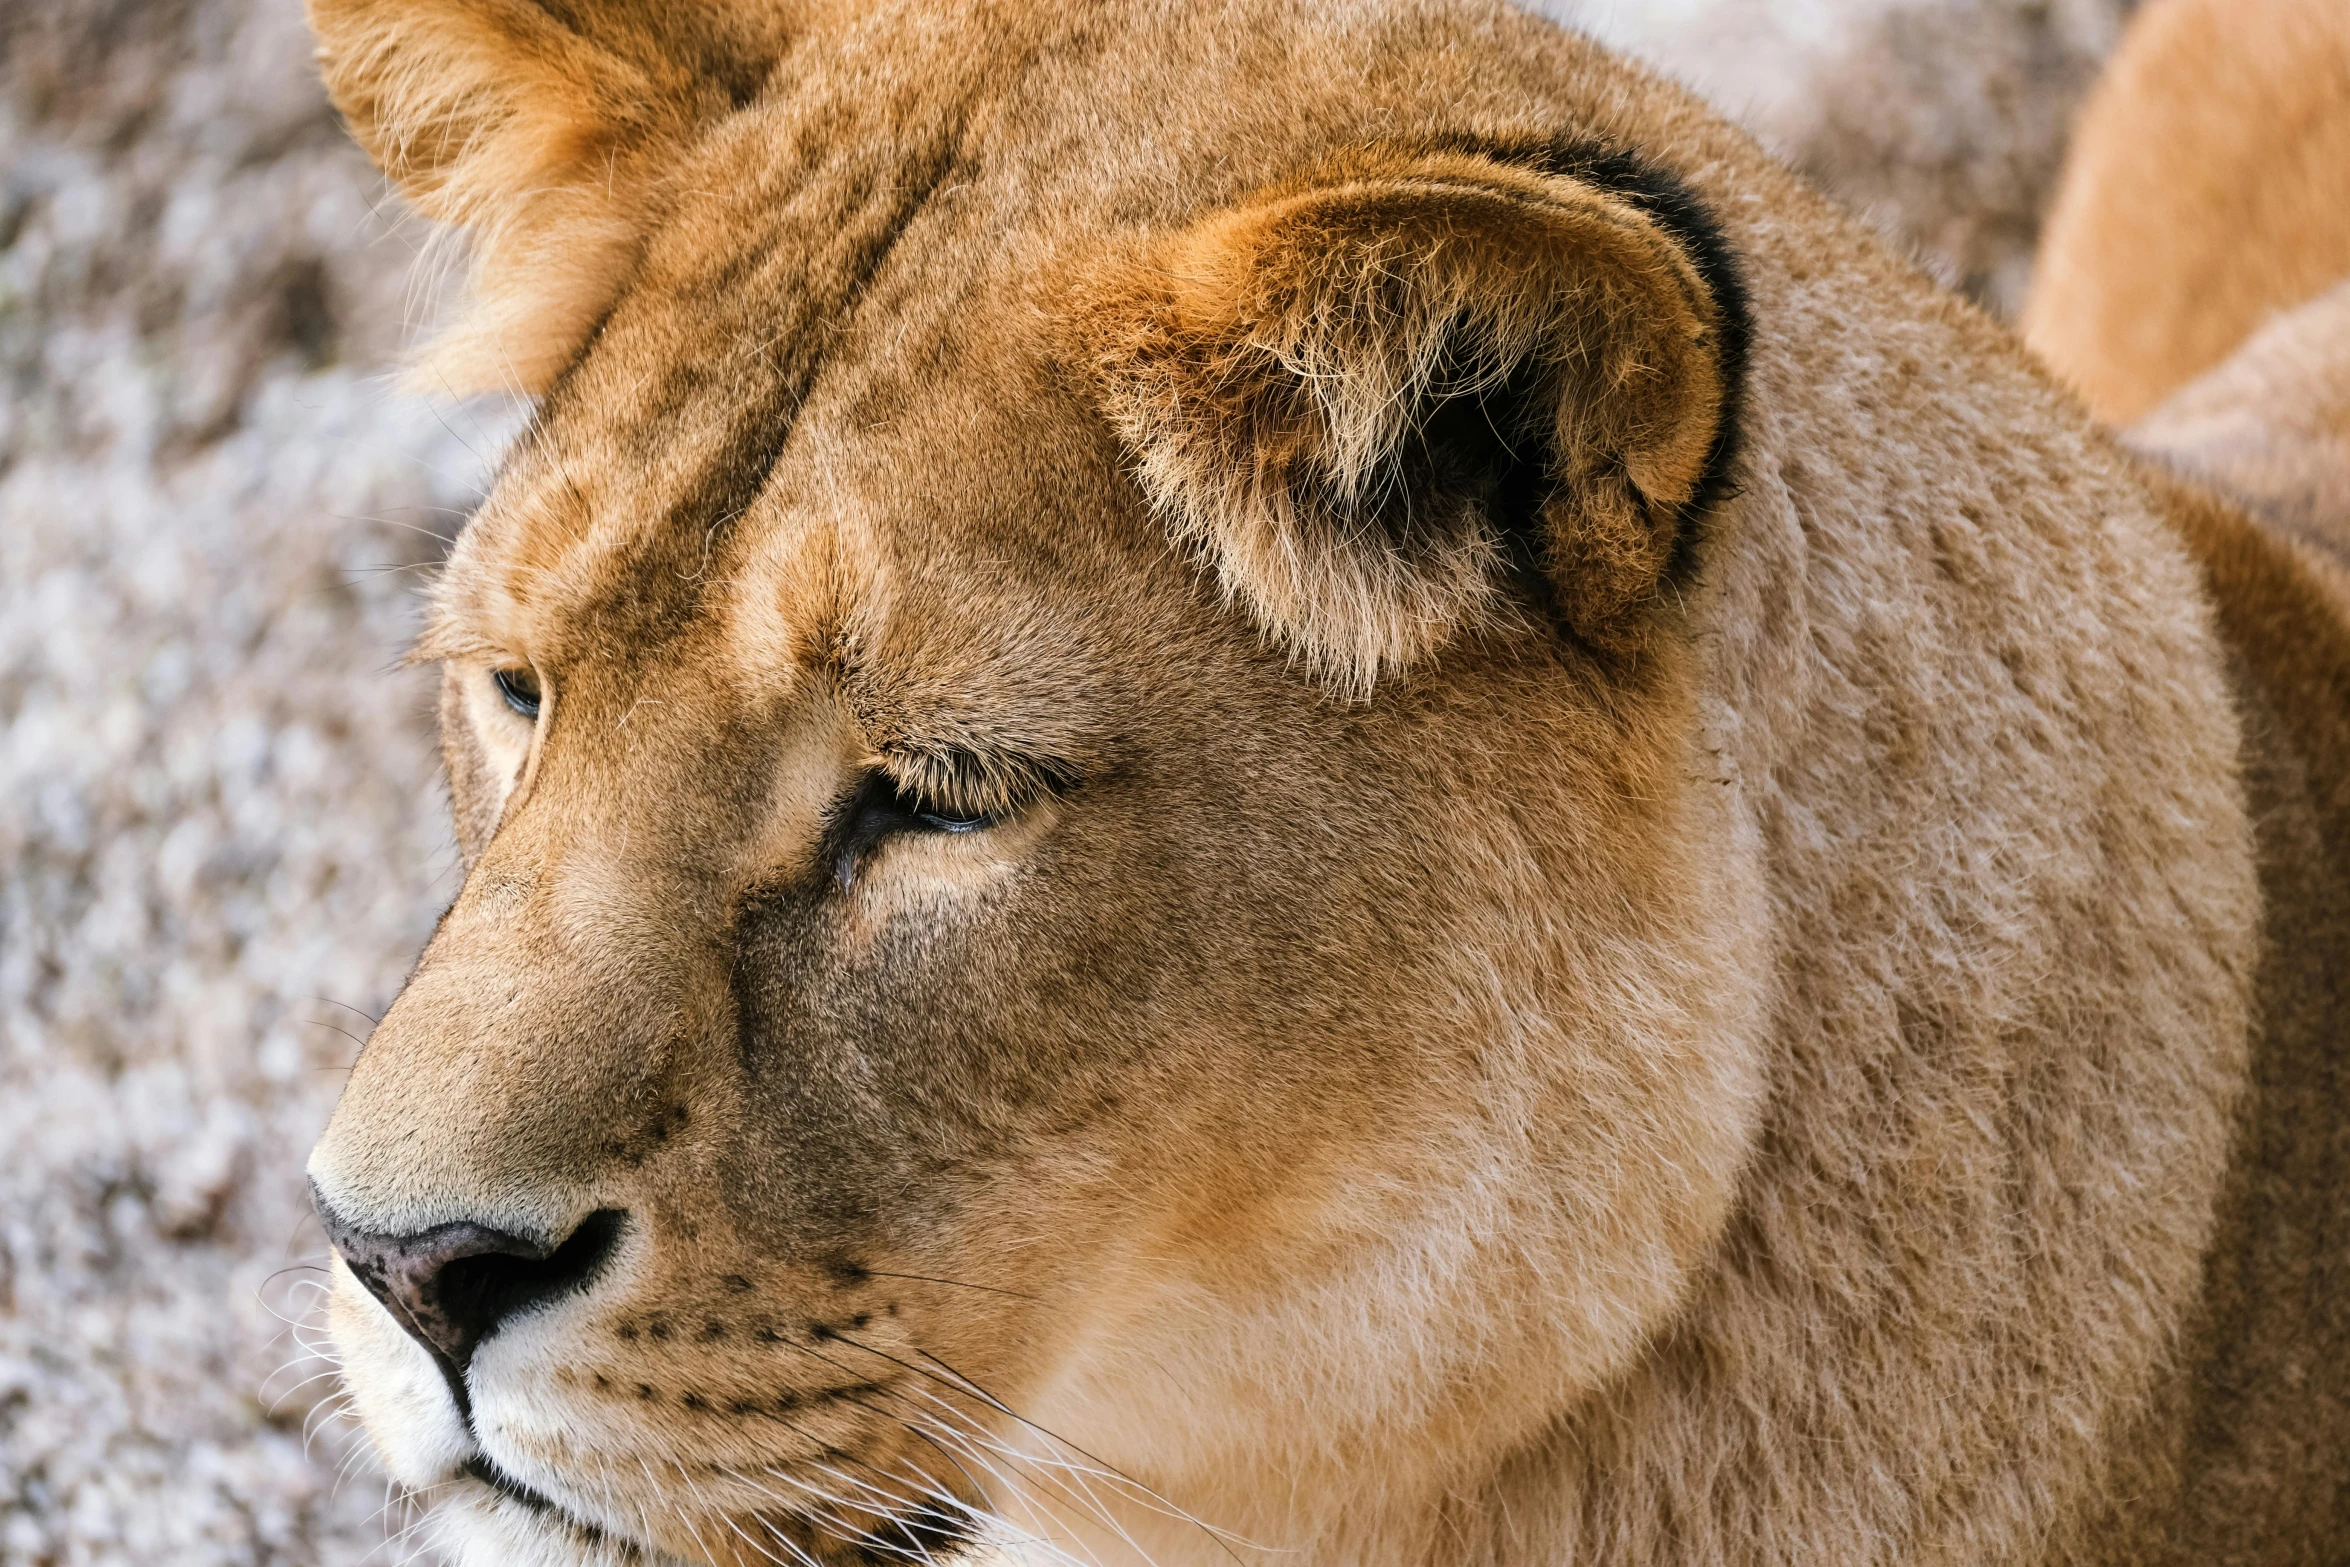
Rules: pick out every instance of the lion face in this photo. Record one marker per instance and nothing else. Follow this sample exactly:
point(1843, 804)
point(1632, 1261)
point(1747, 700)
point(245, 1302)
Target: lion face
point(1091, 876)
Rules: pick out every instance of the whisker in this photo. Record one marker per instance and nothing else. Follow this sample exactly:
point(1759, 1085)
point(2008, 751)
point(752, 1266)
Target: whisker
point(1102, 1468)
point(678, 1512)
point(1105, 1467)
point(1065, 1474)
point(335, 1028)
point(1087, 1503)
point(847, 1530)
point(1026, 1496)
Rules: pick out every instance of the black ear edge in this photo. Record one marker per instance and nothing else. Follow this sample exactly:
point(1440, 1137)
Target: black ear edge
point(1669, 202)
point(1585, 546)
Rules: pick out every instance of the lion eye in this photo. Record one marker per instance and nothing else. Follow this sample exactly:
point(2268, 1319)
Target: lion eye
point(944, 821)
point(892, 807)
point(882, 807)
point(520, 688)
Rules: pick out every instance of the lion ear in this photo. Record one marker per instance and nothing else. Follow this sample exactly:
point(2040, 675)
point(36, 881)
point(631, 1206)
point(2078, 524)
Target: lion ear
point(1374, 399)
point(538, 128)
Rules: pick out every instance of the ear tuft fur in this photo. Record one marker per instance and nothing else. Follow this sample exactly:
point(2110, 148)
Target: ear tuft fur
point(537, 129)
point(1376, 398)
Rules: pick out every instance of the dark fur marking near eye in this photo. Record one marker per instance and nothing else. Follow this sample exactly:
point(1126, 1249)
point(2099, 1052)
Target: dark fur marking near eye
point(923, 788)
point(972, 774)
point(695, 1401)
point(658, 1328)
point(856, 826)
point(644, 1391)
point(712, 1332)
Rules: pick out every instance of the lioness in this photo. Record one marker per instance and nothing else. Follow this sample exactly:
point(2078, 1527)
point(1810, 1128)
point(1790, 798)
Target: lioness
point(2196, 279)
point(2271, 423)
point(2208, 187)
point(1303, 783)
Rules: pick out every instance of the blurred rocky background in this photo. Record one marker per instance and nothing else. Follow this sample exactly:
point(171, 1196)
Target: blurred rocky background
point(222, 836)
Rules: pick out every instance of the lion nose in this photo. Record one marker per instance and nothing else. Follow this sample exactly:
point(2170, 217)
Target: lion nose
point(453, 1285)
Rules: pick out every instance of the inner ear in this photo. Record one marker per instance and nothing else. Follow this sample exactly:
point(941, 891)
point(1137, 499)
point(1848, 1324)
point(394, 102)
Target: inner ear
point(1407, 396)
point(1482, 454)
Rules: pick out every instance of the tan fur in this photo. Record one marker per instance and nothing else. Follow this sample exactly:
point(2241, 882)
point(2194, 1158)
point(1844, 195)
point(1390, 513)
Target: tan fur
point(2247, 196)
point(2254, 1415)
point(2207, 189)
point(2271, 424)
point(1664, 973)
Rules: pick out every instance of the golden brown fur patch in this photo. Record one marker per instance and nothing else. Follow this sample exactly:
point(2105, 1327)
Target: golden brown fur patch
point(2236, 107)
point(539, 132)
point(2251, 1417)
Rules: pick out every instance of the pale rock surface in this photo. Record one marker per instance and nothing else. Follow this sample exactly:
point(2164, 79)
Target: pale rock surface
point(221, 835)
point(1944, 121)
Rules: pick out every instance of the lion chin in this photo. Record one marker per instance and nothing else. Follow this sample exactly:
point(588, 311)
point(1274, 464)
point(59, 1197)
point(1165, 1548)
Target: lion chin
point(1251, 783)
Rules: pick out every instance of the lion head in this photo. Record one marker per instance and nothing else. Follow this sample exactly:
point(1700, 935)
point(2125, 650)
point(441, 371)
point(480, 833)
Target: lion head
point(1150, 811)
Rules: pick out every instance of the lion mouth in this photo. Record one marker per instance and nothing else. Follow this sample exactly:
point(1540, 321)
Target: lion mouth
point(925, 1533)
point(586, 1533)
point(506, 1485)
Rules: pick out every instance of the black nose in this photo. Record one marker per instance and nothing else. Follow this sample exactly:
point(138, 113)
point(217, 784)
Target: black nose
point(452, 1285)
